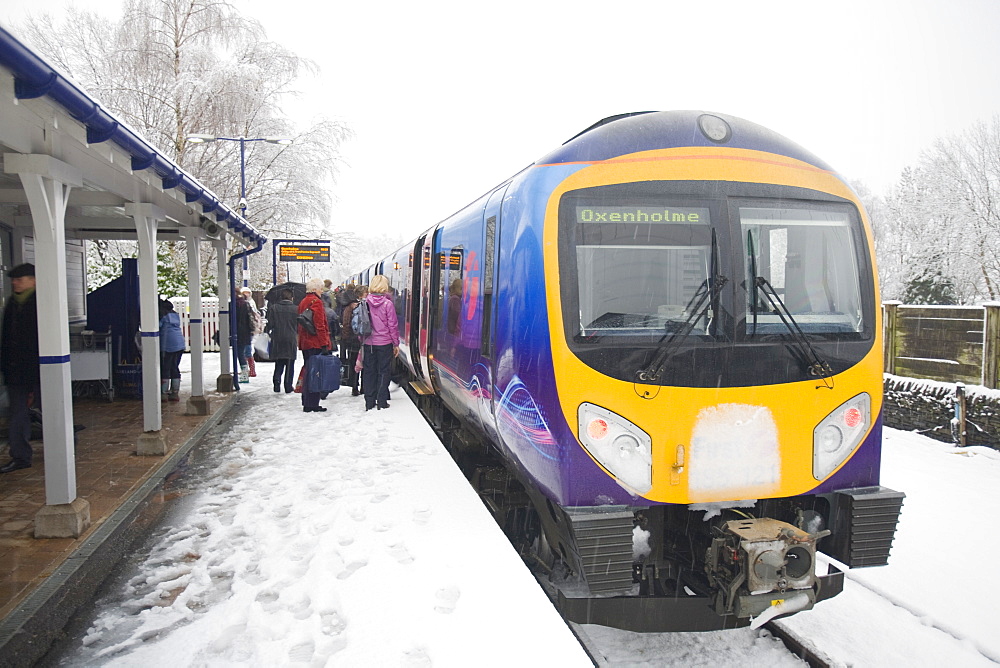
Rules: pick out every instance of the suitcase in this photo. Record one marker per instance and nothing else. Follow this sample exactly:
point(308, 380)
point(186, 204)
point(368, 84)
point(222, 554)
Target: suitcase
point(323, 373)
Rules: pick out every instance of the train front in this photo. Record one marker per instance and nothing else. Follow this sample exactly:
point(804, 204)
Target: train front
point(717, 348)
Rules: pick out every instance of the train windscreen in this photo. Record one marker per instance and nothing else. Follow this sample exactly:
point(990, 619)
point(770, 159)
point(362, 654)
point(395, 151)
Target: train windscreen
point(640, 268)
point(800, 262)
point(713, 283)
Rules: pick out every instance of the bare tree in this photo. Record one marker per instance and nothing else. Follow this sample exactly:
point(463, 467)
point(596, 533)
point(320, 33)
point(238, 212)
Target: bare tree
point(172, 68)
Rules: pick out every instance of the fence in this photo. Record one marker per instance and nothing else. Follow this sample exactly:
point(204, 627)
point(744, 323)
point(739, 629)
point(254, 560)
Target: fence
point(946, 343)
point(209, 321)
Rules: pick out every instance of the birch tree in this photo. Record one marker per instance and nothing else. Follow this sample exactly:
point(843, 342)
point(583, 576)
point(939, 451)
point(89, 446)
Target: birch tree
point(172, 68)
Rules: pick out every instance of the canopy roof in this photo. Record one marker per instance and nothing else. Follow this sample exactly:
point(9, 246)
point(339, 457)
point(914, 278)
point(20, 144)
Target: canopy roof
point(43, 112)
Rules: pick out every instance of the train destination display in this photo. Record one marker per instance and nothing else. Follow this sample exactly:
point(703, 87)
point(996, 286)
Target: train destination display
point(304, 253)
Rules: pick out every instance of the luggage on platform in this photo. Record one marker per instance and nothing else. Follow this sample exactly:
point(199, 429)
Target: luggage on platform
point(323, 373)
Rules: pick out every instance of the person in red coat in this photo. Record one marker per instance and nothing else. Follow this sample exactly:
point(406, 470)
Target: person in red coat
point(313, 344)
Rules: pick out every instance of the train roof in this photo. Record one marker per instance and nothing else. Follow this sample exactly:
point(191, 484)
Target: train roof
point(650, 130)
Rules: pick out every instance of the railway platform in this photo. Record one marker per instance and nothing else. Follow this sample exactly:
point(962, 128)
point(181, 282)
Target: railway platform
point(43, 579)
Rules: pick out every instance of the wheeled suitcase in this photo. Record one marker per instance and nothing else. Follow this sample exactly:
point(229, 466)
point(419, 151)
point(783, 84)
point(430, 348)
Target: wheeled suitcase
point(323, 373)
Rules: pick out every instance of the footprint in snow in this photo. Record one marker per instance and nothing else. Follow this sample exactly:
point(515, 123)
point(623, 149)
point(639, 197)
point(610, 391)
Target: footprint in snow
point(301, 609)
point(446, 599)
point(331, 623)
point(302, 652)
point(417, 658)
point(350, 569)
point(400, 553)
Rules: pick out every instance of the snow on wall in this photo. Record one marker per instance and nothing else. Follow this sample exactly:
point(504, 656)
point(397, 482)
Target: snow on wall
point(928, 407)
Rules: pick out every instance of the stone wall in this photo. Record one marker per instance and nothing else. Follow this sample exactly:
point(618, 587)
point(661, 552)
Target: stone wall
point(928, 407)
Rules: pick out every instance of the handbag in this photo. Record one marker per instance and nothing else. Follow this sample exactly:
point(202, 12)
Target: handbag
point(305, 321)
point(262, 344)
point(323, 373)
point(300, 381)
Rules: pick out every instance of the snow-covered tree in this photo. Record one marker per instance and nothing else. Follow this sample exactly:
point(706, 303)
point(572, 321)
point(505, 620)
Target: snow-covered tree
point(172, 68)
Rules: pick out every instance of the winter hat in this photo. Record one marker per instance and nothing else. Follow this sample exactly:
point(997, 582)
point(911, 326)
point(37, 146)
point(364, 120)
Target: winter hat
point(22, 270)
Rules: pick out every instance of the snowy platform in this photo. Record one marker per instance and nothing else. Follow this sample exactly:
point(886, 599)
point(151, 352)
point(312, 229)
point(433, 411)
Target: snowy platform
point(339, 538)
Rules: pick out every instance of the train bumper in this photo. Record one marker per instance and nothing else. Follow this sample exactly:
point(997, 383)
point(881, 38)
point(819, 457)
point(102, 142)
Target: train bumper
point(657, 614)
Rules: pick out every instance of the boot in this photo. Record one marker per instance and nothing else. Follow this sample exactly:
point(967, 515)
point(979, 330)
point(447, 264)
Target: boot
point(244, 374)
point(252, 366)
point(175, 387)
point(164, 388)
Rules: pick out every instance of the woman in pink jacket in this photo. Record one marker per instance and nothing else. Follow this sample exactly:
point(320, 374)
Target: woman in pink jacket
point(381, 346)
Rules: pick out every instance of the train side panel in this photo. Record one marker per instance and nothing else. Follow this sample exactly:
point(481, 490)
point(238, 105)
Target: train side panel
point(529, 420)
point(456, 305)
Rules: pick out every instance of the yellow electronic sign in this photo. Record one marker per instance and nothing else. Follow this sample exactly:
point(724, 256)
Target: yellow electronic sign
point(304, 253)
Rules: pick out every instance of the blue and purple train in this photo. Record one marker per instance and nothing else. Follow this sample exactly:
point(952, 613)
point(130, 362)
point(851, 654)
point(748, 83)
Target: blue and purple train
point(656, 353)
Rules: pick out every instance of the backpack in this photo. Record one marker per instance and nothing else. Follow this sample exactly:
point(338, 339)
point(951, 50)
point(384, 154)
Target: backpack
point(361, 320)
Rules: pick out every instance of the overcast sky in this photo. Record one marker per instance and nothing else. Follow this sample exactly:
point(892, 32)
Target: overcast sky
point(449, 97)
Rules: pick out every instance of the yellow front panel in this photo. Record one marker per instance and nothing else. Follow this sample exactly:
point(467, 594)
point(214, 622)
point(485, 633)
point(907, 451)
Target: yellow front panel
point(737, 443)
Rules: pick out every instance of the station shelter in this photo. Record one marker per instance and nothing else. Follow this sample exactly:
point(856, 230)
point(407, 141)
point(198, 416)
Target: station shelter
point(72, 172)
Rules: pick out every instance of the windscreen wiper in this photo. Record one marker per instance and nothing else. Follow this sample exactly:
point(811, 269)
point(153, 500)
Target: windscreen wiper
point(697, 308)
point(815, 365)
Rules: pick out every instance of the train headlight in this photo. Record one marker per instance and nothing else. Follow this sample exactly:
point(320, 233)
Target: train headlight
point(714, 128)
point(840, 432)
point(620, 446)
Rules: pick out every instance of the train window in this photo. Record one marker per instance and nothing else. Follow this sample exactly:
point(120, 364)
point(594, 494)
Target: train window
point(451, 288)
point(641, 268)
point(800, 261)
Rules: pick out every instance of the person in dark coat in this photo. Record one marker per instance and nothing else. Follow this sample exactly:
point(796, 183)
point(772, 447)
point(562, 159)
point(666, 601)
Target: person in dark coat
point(19, 363)
point(244, 336)
point(283, 331)
point(350, 344)
point(313, 344)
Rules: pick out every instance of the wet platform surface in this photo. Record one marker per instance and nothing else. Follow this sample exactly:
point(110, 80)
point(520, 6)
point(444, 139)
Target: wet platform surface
point(109, 474)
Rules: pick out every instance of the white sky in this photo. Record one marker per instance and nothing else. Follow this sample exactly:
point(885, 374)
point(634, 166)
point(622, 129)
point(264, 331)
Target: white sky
point(449, 98)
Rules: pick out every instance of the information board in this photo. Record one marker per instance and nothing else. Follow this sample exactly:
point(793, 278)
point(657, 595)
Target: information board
point(304, 253)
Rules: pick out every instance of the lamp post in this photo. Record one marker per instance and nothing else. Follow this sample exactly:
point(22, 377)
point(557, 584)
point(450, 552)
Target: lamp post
point(205, 139)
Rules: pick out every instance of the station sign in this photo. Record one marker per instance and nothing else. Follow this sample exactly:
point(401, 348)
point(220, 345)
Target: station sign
point(304, 253)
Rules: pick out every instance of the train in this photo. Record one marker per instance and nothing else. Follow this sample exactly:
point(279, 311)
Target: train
point(656, 354)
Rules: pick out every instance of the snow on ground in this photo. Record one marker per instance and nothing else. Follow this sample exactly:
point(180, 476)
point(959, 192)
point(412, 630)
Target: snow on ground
point(350, 539)
point(344, 537)
point(941, 584)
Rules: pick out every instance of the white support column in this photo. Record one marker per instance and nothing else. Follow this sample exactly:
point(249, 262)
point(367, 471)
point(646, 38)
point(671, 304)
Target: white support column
point(225, 381)
point(47, 183)
point(197, 403)
point(147, 217)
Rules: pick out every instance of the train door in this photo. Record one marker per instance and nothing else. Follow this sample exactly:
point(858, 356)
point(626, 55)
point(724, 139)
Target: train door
point(491, 227)
point(412, 328)
point(427, 286)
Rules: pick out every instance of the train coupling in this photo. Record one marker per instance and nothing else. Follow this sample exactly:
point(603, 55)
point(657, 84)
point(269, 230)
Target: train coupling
point(756, 564)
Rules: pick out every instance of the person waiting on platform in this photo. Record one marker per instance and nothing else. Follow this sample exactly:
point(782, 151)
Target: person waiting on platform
point(244, 334)
point(313, 343)
point(282, 330)
point(19, 364)
point(381, 347)
point(171, 348)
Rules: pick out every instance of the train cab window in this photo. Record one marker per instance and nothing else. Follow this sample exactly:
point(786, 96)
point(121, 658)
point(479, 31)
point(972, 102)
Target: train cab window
point(800, 262)
point(694, 283)
point(640, 268)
